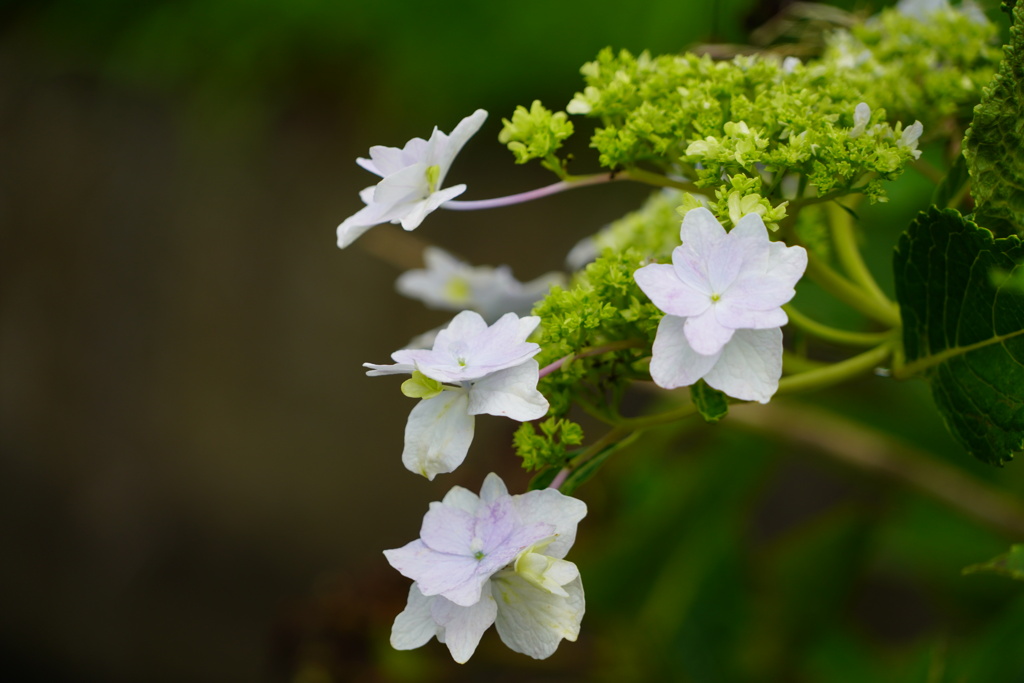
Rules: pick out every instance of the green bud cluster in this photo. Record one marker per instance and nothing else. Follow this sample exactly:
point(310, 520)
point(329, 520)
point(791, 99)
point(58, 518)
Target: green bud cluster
point(603, 306)
point(549, 447)
point(536, 133)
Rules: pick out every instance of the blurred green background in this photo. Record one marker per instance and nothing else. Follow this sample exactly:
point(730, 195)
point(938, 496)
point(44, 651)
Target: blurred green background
point(196, 478)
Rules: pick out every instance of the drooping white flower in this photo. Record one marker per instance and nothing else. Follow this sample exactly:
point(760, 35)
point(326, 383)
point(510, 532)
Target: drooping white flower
point(411, 180)
point(723, 297)
point(472, 369)
point(450, 284)
point(492, 559)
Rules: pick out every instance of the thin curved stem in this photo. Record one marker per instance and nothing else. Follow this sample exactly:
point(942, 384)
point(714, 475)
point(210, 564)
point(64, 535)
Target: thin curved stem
point(591, 351)
point(848, 292)
point(847, 250)
point(835, 373)
point(570, 183)
point(512, 199)
point(833, 334)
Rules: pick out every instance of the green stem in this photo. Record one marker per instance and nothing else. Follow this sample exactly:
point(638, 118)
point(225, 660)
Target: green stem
point(845, 241)
point(655, 179)
point(835, 373)
point(846, 291)
point(833, 334)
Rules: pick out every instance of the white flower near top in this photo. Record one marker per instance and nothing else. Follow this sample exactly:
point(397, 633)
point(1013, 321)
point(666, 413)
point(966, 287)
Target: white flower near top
point(722, 296)
point(411, 180)
point(492, 559)
point(450, 284)
point(472, 369)
point(861, 118)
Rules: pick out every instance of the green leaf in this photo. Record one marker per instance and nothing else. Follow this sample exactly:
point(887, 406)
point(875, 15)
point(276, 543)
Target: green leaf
point(711, 403)
point(1008, 564)
point(994, 143)
point(964, 332)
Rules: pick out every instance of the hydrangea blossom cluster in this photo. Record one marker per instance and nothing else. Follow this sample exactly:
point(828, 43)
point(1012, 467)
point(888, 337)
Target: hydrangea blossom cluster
point(472, 369)
point(723, 297)
point(492, 559)
point(739, 148)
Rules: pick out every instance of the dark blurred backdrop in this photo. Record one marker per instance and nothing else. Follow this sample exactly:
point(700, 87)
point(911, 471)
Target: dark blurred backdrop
point(189, 450)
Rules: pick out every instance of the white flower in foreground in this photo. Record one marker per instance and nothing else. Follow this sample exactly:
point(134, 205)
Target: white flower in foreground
point(492, 559)
point(471, 369)
point(412, 179)
point(722, 296)
point(450, 284)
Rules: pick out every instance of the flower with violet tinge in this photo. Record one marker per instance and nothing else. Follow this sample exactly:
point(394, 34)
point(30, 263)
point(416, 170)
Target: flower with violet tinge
point(472, 368)
point(412, 179)
point(492, 559)
point(450, 284)
point(722, 296)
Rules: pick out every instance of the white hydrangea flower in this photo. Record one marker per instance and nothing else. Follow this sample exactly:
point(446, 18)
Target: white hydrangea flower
point(412, 180)
point(450, 284)
point(492, 559)
point(723, 297)
point(472, 369)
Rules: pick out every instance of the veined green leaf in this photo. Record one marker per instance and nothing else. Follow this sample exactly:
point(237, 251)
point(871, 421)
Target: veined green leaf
point(994, 143)
point(963, 331)
point(711, 403)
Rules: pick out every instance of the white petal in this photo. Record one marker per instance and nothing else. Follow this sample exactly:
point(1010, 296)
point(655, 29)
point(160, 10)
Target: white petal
point(438, 434)
point(465, 129)
point(381, 370)
point(739, 317)
point(493, 489)
point(463, 499)
point(359, 222)
point(511, 393)
point(668, 292)
point(555, 508)
point(464, 626)
point(674, 363)
point(414, 626)
point(531, 620)
point(701, 230)
point(749, 366)
point(706, 334)
point(412, 219)
point(407, 185)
